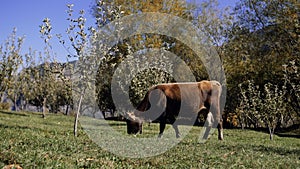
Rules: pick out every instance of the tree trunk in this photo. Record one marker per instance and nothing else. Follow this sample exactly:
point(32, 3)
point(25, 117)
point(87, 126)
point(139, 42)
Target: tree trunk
point(44, 107)
point(271, 132)
point(67, 110)
point(15, 104)
point(279, 121)
point(2, 97)
point(77, 115)
point(103, 114)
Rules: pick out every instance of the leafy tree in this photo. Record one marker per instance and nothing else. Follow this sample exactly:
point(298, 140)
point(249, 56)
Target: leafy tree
point(264, 36)
point(251, 103)
point(10, 63)
point(291, 74)
point(47, 77)
point(107, 11)
point(263, 109)
point(270, 107)
point(41, 85)
point(44, 81)
point(274, 107)
point(64, 86)
point(27, 75)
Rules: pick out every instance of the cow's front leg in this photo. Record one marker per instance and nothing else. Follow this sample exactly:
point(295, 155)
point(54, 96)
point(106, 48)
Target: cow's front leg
point(162, 127)
point(175, 127)
point(141, 128)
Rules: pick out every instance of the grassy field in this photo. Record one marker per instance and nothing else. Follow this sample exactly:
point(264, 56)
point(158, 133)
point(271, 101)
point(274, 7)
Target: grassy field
point(32, 142)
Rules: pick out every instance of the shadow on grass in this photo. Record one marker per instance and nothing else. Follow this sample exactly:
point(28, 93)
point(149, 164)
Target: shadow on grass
point(288, 135)
point(292, 131)
point(265, 149)
point(277, 150)
point(110, 124)
point(19, 127)
point(13, 113)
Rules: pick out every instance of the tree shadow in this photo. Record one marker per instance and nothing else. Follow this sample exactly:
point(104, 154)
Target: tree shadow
point(13, 113)
point(265, 149)
point(13, 127)
point(291, 132)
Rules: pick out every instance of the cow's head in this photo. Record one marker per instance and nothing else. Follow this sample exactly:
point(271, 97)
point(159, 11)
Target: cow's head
point(134, 124)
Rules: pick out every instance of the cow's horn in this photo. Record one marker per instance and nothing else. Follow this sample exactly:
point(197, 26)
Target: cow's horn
point(131, 116)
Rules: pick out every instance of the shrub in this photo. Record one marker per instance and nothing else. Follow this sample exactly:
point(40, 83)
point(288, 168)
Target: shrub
point(5, 106)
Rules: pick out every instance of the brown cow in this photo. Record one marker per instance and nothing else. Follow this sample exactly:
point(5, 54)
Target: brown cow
point(165, 102)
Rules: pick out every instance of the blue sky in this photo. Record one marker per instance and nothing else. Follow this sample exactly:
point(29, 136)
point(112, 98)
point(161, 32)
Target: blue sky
point(27, 15)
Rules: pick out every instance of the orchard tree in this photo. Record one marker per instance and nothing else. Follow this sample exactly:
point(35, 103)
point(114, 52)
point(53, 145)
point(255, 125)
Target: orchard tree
point(10, 63)
point(263, 107)
point(55, 75)
point(40, 88)
point(27, 76)
point(251, 101)
point(274, 108)
point(42, 84)
point(80, 38)
point(47, 77)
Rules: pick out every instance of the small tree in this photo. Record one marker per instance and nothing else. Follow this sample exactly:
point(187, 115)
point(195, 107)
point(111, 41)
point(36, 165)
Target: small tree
point(263, 109)
point(250, 104)
point(10, 63)
point(47, 82)
point(87, 60)
point(27, 75)
point(273, 108)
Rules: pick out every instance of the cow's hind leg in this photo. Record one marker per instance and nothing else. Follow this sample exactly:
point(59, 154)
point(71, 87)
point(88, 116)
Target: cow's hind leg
point(208, 125)
point(218, 121)
point(162, 127)
point(175, 127)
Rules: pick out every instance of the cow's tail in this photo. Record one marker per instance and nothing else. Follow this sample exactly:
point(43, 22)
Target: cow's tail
point(216, 87)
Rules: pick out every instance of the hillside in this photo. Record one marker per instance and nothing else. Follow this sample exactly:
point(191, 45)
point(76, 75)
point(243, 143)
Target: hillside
point(33, 142)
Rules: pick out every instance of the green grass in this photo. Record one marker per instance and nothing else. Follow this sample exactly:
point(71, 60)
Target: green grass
point(32, 142)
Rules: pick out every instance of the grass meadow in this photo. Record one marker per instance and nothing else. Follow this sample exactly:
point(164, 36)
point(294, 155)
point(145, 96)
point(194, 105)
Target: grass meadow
point(33, 142)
